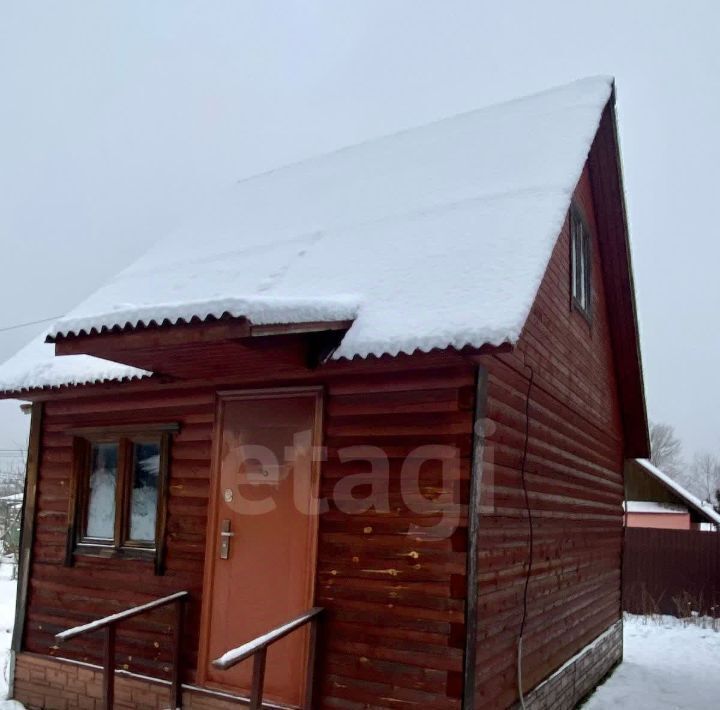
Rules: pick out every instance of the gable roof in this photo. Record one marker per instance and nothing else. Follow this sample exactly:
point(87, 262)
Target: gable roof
point(434, 237)
point(679, 492)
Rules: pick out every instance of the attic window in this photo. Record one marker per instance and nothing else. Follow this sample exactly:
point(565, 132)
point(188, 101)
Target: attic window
point(581, 264)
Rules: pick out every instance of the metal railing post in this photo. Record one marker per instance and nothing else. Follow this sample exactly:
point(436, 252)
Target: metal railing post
point(176, 681)
point(258, 679)
point(257, 650)
point(109, 668)
point(109, 623)
point(311, 662)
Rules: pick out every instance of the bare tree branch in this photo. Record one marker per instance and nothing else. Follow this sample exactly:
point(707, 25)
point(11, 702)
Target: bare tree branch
point(666, 449)
point(705, 471)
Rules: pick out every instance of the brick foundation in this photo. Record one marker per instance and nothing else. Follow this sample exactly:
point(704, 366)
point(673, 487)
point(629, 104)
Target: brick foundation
point(56, 684)
point(565, 688)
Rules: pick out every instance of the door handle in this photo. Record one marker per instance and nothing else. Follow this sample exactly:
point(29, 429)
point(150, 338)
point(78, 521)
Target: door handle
point(225, 535)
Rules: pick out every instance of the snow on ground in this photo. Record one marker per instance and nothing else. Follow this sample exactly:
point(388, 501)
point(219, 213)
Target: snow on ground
point(668, 665)
point(7, 617)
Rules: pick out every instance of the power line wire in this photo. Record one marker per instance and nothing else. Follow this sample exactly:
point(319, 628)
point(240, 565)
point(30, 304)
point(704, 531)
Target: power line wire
point(25, 325)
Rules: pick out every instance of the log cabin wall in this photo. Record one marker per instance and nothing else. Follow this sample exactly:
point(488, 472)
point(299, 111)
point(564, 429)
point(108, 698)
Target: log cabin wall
point(395, 625)
point(575, 483)
point(61, 597)
point(396, 600)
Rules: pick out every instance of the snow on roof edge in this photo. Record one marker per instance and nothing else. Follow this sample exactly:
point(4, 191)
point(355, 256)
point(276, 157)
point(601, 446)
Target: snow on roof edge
point(265, 310)
point(35, 368)
point(653, 507)
point(694, 501)
point(429, 344)
point(20, 392)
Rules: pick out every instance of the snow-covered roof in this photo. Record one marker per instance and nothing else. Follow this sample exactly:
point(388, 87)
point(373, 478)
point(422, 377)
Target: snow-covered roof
point(693, 501)
point(651, 506)
point(36, 367)
point(433, 237)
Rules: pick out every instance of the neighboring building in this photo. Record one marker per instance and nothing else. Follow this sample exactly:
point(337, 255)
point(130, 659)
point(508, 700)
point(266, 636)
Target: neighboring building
point(449, 311)
point(654, 500)
point(648, 514)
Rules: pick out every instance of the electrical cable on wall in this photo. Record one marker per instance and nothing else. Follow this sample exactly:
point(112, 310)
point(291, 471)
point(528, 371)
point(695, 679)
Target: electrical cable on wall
point(531, 538)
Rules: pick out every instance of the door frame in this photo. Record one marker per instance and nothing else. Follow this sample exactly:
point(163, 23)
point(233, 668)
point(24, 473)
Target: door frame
point(211, 540)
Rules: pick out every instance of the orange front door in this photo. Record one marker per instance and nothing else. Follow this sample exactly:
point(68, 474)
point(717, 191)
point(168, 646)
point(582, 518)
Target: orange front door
point(265, 497)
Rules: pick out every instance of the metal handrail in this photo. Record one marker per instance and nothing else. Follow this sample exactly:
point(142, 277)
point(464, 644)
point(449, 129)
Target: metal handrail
point(257, 648)
point(108, 623)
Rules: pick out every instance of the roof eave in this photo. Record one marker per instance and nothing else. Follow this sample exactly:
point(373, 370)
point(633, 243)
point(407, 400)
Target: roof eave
point(605, 166)
point(103, 341)
point(30, 394)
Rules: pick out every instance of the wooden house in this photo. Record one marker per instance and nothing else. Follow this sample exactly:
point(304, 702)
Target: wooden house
point(386, 395)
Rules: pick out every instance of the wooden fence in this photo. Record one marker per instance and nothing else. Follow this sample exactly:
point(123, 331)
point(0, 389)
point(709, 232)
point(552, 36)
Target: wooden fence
point(671, 572)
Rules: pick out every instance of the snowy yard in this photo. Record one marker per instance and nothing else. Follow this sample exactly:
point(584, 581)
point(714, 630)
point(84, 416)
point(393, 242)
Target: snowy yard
point(668, 666)
point(7, 616)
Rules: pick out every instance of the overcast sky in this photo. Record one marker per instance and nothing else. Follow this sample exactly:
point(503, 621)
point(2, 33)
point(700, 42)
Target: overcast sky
point(119, 118)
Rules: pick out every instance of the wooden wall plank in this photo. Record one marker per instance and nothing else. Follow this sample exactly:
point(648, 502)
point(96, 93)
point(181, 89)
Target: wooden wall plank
point(382, 574)
point(574, 476)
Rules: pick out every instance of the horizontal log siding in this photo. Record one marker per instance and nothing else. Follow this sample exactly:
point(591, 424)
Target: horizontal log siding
point(574, 477)
point(396, 609)
point(61, 597)
point(395, 624)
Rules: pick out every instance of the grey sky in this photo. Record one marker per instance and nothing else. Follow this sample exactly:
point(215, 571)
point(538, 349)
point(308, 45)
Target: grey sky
point(117, 119)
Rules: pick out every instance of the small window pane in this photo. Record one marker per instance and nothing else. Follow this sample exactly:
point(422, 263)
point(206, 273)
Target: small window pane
point(574, 259)
point(143, 504)
point(585, 281)
point(102, 484)
point(581, 266)
point(580, 256)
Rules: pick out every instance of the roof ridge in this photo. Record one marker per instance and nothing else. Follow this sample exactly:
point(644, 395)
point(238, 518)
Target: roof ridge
point(409, 129)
